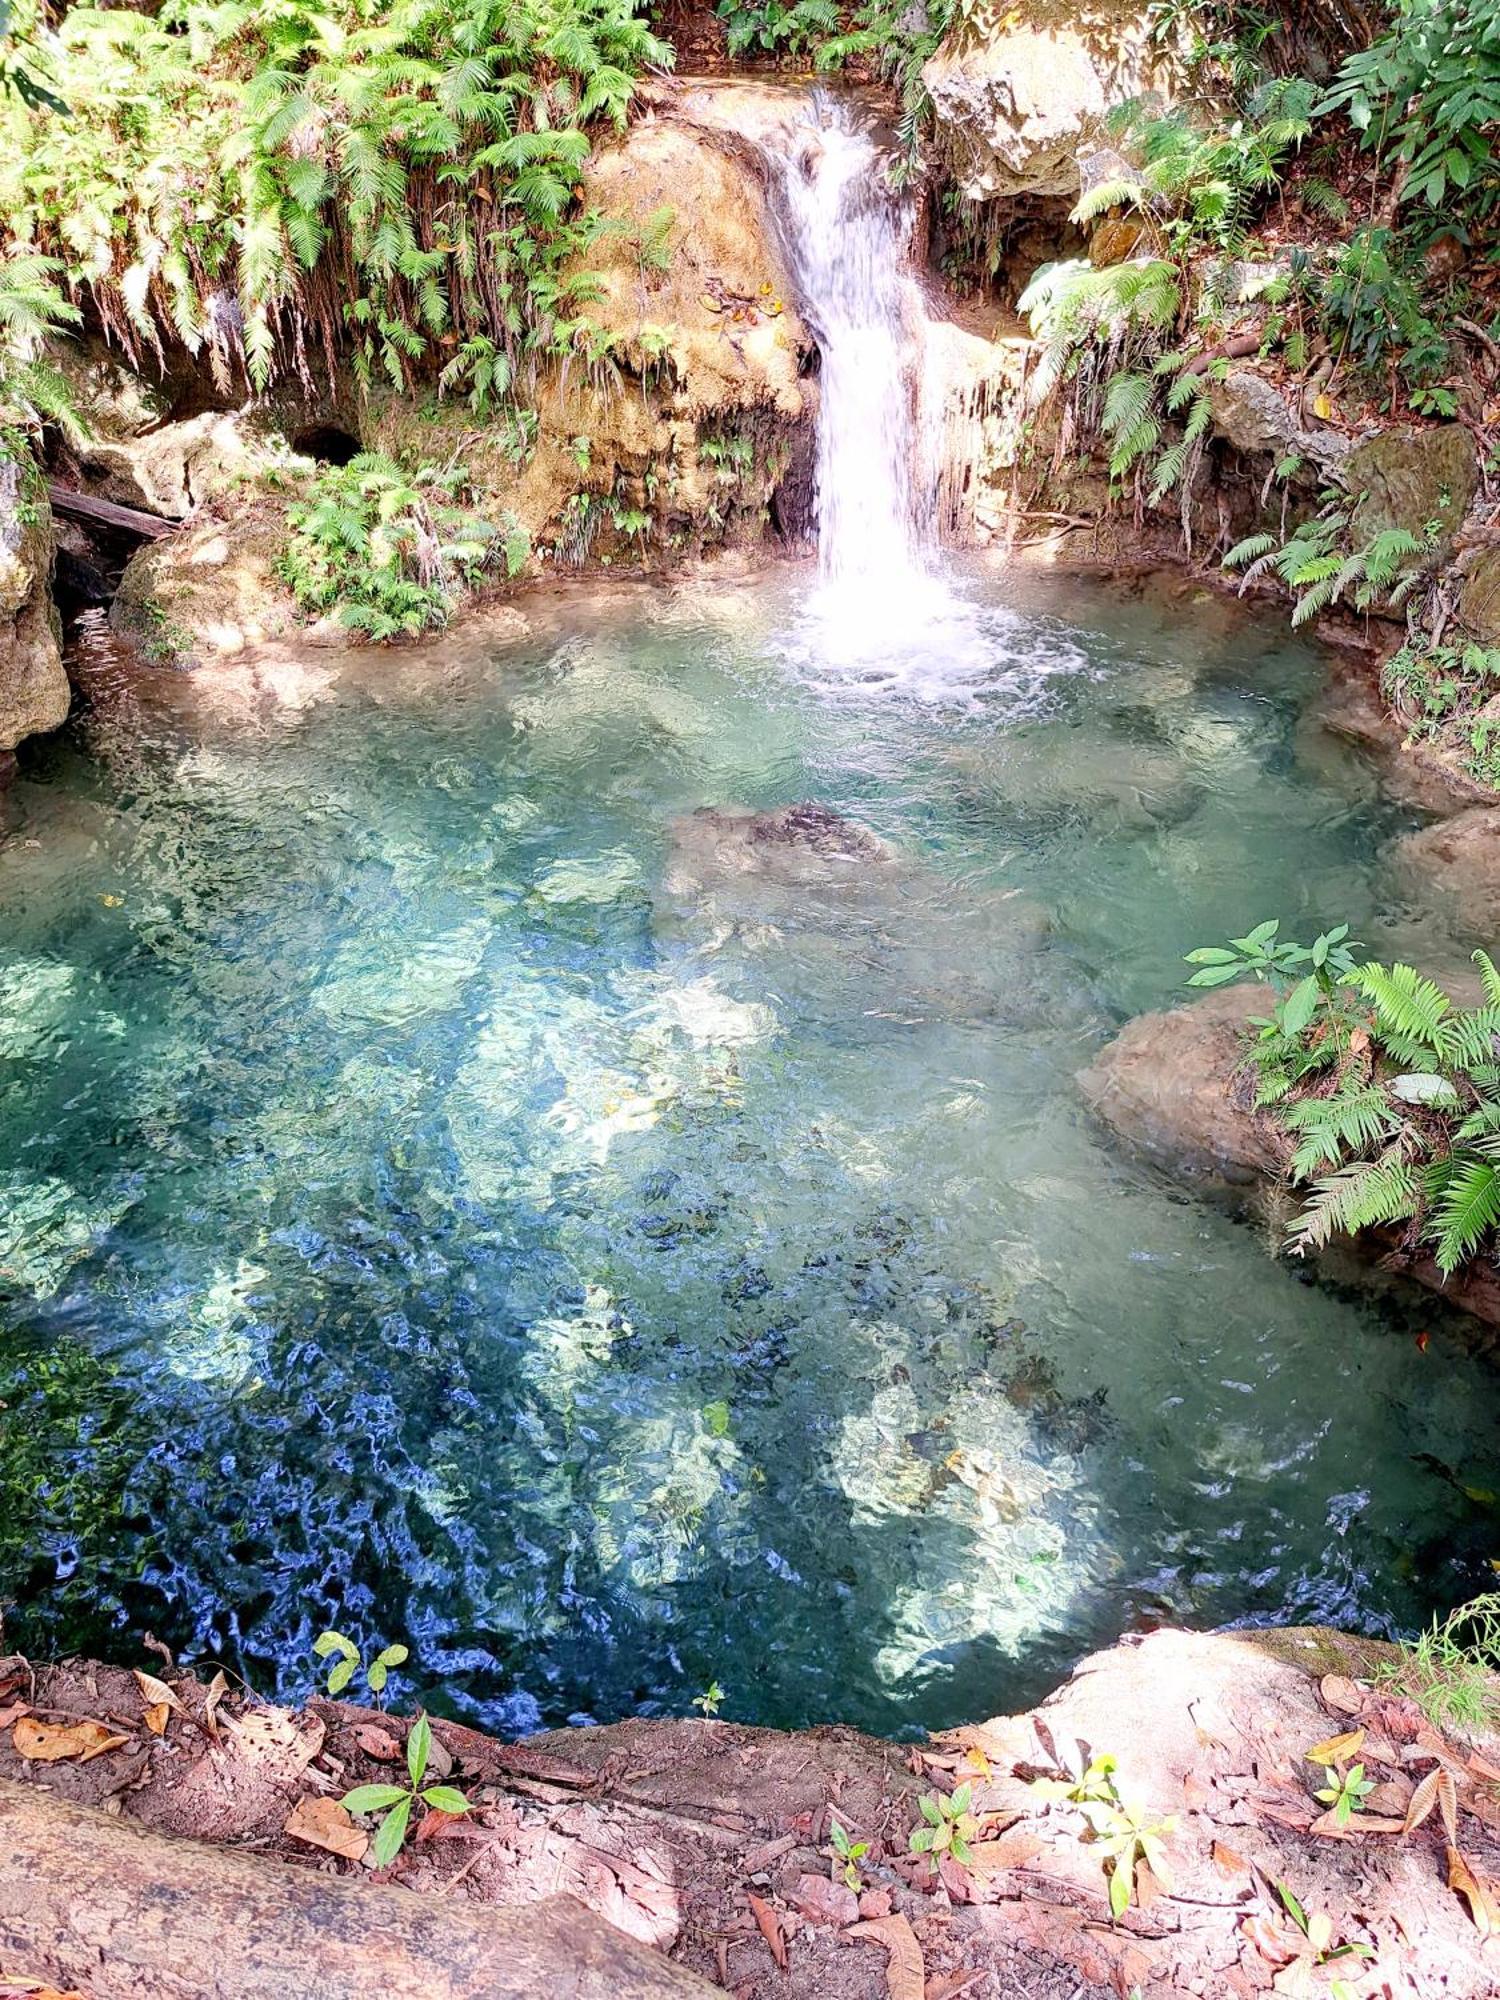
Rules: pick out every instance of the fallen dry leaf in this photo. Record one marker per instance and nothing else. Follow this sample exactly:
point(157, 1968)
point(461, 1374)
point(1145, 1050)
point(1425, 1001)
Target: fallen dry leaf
point(1477, 1893)
point(272, 1737)
point(156, 1718)
point(380, 1744)
point(1436, 1789)
point(155, 1694)
point(218, 1687)
point(770, 1927)
point(49, 1742)
point(1339, 1693)
point(29, 1989)
point(1227, 1861)
point(905, 1974)
point(1356, 1824)
point(9, 1715)
point(324, 1823)
point(1336, 1749)
point(1011, 1850)
point(825, 1902)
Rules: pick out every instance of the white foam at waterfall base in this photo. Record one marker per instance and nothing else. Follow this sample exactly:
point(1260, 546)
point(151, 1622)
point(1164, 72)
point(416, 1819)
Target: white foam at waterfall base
point(887, 615)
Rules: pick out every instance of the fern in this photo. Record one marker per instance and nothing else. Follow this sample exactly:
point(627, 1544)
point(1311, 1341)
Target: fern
point(1329, 1127)
point(1465, 1215)
point(1364, 1195)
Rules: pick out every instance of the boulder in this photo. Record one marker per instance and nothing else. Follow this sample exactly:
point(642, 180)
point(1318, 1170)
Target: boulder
point(1251, 413)
point(173, 469)
point(1172, 1086)
point(1479, 602)
point(1017, 98)
point(33, 686)
point(1166, 1085)
point(1412, 479)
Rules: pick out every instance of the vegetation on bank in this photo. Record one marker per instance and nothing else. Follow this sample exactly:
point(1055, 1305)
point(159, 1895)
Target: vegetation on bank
point(1388, 1093)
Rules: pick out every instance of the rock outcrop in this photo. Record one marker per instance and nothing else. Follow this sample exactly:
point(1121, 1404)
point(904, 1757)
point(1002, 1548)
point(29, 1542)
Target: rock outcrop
point(1172, 1087)
point(1421, 481)
point(1458, 860)
point(33, 686)
point(1018, 95)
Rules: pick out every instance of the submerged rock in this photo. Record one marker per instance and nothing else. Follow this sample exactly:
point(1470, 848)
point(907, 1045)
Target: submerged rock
point(1459, 858)
point(849, 925)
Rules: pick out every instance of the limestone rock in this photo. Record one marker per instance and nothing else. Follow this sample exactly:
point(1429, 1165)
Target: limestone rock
point(210, 591)
point(1411, 478)
point(1164, 1086)
point(1251, 414)
point(1017, 99)
point(116, 401)
point(175, 468)
point(33, 687)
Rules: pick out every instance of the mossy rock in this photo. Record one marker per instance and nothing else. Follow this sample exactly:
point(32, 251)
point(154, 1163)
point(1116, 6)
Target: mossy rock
point(1412, 479)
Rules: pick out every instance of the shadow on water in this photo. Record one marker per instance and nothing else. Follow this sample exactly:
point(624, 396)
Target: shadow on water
point(463, 1175)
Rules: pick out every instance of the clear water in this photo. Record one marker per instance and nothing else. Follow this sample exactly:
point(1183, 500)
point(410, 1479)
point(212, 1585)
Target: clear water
point(443, 1193)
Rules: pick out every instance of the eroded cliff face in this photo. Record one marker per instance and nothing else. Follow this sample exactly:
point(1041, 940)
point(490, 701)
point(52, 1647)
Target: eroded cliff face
point(33, 687)
point(682, 423)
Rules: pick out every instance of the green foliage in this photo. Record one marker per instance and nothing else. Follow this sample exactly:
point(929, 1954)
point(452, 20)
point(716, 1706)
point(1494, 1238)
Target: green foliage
point(771, 27)
point(1203, 181)
point(1451, 1670)
point(1346, 1792)
point(1373, 302)
point(1320, 568)
point(347, 1663)
point(1389, 1092)
point(1443, 695)
point(32, 391)
point(948, 1826)
point(899, 40)
point(366, 178)
point(1426, 96)
point(1122, 1832)
point(711, 1700)
point(387, 552)
point(847, 1853)
point(392, 1803)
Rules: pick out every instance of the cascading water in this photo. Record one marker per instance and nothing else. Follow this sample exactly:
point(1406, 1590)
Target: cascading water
point(844, 234)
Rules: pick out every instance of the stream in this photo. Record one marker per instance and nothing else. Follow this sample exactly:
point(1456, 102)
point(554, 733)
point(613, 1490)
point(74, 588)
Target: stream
point(465, 1179)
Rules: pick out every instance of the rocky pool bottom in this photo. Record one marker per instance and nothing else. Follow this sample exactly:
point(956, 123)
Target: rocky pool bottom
point(562, 1146)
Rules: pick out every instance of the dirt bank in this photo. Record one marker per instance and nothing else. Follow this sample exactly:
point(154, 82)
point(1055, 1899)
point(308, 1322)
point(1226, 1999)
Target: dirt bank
point(710, 1843)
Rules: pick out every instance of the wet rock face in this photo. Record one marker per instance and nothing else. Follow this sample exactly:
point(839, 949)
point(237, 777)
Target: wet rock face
point(1017, 100)
point(33, 687)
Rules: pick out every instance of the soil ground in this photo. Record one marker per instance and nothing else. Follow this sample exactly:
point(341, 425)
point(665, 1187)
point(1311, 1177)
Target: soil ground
point(711, 1841)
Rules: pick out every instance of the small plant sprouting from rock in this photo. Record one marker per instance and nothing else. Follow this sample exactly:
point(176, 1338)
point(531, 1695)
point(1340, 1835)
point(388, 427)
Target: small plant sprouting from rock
point(711, 1700)
point(1318, 1950)
point(348, 1662)
point(1345, 1792)
point(393, 1803)
point(847, 1854)
point(1123, 1833)
point(950, 1826)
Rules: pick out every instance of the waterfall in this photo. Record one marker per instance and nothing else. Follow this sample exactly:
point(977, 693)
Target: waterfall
point(845, 236)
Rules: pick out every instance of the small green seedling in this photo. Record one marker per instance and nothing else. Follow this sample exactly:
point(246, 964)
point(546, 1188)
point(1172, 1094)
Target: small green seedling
point(711, 1700)
point(950, 1826)
point(1321, 1950)
point(347, 1665)
point(394, 1802)
point(1125, 1836)
point(847, 1853)
point(1347, 1794)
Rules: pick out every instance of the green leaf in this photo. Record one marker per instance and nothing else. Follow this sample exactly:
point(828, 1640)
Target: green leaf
point(418, 1748)
point(446, 1798)
point(390, 1833)
point(373, 1798)
point(927, 1806)
point(922, 1840)
point(960, 1800)
point(340, 1676)
point(334, 1642)
point(392, 1656)
point(1300, 1005)
point(1119, 1890)
point(1212, 954)
point(716, 1419)
point(375, 1678)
